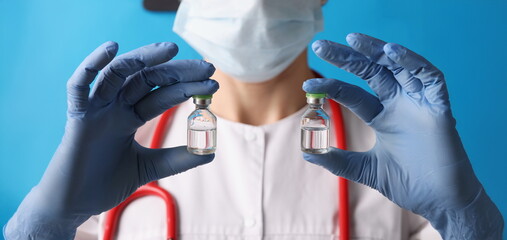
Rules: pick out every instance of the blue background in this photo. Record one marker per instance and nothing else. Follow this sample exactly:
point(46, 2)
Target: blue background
point(41, 42)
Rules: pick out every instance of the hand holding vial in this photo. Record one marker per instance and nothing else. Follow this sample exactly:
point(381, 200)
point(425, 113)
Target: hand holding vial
point(98, 150)
point(418, 160)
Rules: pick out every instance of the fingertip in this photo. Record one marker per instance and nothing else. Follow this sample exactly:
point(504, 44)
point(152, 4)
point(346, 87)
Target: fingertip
point(111, 48)
point(206, 87)
point(314, 158)
point(214, 85)
point(212, 70)
point(110, 45)
point(99, 58)
point(394, 51)
point(334, 53)
point(308, 157)
point(352, 39)
point(205, 159)
point(318, 46)
point(210, 67)
point(171, 48)
point(311, 85)
point(320, 83)
point(306, 85)
point(176, 160)
point(197, 160)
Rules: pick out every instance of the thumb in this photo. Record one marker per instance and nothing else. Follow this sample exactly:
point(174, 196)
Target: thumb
point(164, 162)
point(354, 166)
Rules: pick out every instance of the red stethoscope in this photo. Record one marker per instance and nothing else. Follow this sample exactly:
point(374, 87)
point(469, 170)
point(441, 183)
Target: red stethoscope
point(153, 189)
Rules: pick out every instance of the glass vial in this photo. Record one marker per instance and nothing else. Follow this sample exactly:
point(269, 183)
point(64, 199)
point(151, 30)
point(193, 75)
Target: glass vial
point(202, 127)
point(315, 125)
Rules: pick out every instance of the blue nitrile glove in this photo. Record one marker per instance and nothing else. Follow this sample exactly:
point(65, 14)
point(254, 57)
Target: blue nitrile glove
point(98, 163)
point(418, 160)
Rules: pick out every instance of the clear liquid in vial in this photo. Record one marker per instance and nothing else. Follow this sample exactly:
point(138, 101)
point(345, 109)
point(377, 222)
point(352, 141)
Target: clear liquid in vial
point(202, 142)
point(315, 140)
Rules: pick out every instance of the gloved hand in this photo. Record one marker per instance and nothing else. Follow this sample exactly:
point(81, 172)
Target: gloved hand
point(98, 163)
point(418, 161)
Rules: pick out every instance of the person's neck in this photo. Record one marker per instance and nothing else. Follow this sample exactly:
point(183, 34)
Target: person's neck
point(262, 103)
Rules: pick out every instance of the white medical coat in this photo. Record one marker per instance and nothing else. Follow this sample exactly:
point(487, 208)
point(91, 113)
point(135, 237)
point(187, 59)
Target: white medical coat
point(260, 187)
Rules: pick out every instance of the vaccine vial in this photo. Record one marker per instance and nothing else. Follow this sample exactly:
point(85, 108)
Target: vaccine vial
point(315, 125)
point(202, 127)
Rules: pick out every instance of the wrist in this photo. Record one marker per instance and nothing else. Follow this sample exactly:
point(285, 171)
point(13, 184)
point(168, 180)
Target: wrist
point(27, 226)
point(481, 219)
point(38, 220)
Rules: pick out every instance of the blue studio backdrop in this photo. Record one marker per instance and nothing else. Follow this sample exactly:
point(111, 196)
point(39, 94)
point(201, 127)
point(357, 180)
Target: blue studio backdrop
point(42, 42)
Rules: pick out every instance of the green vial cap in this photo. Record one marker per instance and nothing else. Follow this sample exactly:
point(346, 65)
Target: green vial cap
point(316, 95)
point(202, 96)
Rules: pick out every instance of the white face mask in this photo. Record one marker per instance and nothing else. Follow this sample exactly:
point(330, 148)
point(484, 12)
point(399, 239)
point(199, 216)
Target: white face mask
point(251, 40)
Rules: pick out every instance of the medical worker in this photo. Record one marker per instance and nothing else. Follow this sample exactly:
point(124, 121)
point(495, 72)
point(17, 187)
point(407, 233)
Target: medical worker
point(411, 176)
